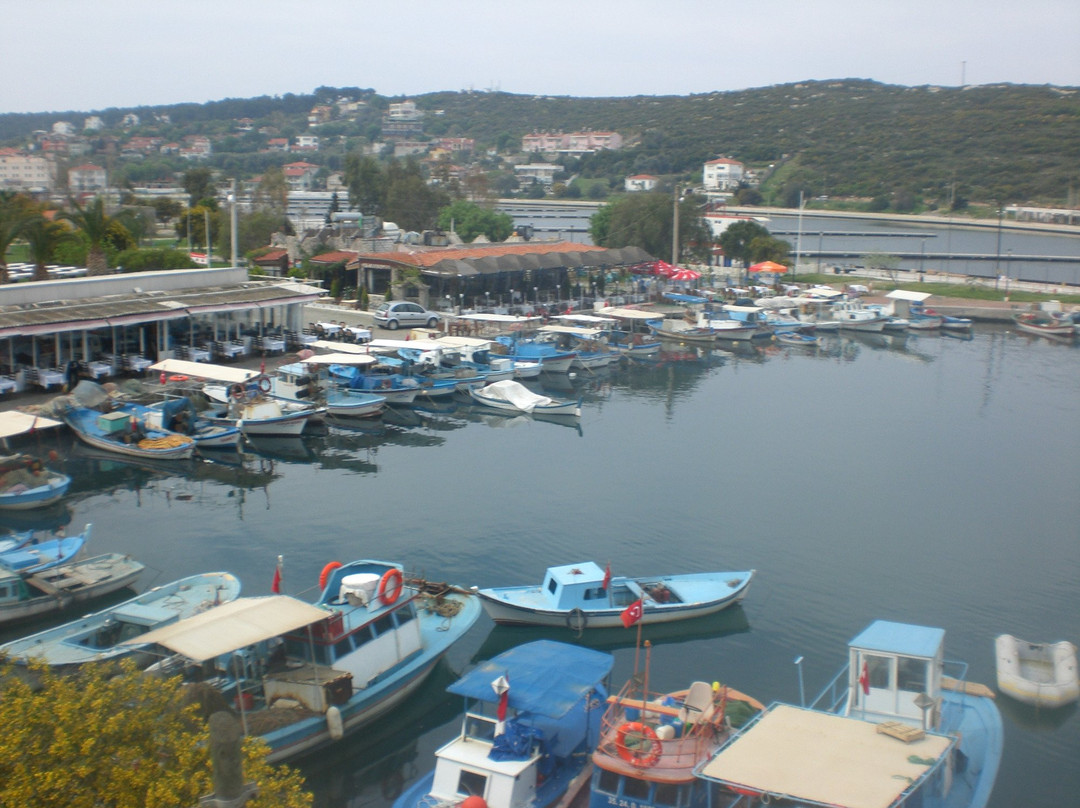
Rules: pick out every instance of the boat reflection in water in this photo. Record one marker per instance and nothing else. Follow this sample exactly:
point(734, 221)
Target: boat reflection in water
point(732, 620)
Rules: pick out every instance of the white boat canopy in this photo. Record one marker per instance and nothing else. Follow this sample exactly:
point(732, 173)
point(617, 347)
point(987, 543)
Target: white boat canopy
point(497, 318)
point(824, 758)
point(463, 342)
point(340, 359)
point(340, 347)
point(397, 344)
point(584, 319)
point(631, 314)
point(905, 294)
point(205, 370)
point(584, 333)
point(14, 422)
point(231, 626)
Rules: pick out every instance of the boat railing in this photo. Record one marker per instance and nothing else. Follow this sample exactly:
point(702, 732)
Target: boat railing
point(833, 694)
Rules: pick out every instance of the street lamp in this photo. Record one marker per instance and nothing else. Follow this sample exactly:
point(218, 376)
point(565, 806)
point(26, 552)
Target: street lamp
point(461, 302)
point(536, 294)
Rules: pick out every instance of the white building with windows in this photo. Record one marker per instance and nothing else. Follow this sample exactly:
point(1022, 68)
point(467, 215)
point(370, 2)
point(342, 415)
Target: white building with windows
point(723, 174)
point(86, 178)
point(640, 182)
point(544, 173)
point(25, 172)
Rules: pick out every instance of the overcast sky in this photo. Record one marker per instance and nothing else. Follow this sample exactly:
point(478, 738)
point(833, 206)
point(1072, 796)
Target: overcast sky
point(80, 55)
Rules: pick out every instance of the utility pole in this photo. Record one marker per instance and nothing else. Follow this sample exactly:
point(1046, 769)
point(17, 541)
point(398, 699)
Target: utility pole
point(675, 230)
point(232, 223)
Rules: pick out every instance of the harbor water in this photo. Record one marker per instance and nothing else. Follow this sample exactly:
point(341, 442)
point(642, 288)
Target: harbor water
point(925, 479)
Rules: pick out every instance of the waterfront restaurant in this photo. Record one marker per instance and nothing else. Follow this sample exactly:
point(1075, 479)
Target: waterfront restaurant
point(489, 275)
point(123, 323)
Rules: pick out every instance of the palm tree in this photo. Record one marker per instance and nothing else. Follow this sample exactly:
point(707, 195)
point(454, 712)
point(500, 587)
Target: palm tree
point(94, 223)
point(13, 217)
point(43, 236)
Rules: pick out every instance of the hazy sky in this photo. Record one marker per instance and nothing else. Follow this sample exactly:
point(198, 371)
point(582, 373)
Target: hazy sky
point(86, 55)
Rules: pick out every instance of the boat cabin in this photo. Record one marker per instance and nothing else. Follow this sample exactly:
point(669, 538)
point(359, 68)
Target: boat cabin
point(575, 586)
point(894, 672)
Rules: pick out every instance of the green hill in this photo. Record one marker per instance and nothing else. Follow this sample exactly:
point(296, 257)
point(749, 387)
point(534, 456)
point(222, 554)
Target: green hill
point(906, 147)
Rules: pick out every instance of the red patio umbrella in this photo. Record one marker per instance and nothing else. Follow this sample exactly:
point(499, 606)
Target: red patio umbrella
point(663, 268)
point(769, 266)
point(684, 274)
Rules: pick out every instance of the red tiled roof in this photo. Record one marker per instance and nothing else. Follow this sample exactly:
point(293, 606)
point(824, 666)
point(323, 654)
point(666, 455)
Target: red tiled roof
point(271, 257)
point(334, 257)
point(431, 257)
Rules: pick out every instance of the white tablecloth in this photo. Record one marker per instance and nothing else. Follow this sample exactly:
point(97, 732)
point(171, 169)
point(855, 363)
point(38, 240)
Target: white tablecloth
point(359, 334)
point(6, 384)
point(137, 363)
point(329, 328)
point(199, 354)
point(231, 349)
point(273, 344)
point(99, 369)
point(47, 377)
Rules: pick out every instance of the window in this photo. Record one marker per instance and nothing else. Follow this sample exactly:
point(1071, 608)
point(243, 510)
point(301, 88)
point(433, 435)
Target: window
point(479, 728)
point(599, 593)
point(668, 794)
point(405, 614)
point(878, 669)
point(383, 625)
point(636, 789)
point(342, 647)
point(609, 782)
point(911, 675)
point(552, 586)
point(361, 637)
point(471, 783)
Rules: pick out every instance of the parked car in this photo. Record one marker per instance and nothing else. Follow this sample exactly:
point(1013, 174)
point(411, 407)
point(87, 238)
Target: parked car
point(392, 315)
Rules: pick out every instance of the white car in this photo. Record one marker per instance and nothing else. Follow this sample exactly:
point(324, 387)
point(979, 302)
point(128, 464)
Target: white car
point(393, 315)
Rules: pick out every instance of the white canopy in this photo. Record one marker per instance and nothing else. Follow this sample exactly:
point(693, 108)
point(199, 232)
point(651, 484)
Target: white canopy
point(904, 294)
point(497, 318)
point(824, 758)
point(340, 359)
point(583, 318)
point(14, 423)
point(586, 333)
point(396, 344)
point(631, 314)
point(205, 370)
point(340, 347)
point(232, 626)
point(463, 342)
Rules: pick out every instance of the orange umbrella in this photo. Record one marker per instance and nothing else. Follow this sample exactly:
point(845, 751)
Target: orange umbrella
point(769, 266)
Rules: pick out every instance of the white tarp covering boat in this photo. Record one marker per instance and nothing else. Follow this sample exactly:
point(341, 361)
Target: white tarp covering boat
point(204, 370)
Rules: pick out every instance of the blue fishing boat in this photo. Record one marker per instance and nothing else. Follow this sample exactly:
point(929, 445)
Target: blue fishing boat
point(305, 675)
point(308, 381)
point(26, 482)
point(38, 556)
point(796, 339)
point(532, 717)
point(899, 725)
point(14, 541)
point(377, 379)
point(122, 429)
point(585, 595)
point(113, 633)
point(551, 358)
point(179, 415)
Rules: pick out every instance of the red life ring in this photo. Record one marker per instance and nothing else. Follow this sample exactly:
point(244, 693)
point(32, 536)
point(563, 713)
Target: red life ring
point(178, 378)
point(386, 594)
point(264, 384)
point(237, 391)
point(327, 571)
point(638, 758)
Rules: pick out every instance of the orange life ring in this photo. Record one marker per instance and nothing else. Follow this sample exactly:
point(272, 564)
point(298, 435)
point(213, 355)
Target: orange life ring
point(327, 571)
point(638, 758)
point(178, 378)
point(264, 384)
point(386, 594)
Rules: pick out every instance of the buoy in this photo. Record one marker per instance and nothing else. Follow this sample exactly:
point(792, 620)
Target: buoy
point(474, 801)
point(327, 571)
point(390, 586)
point(333, 723)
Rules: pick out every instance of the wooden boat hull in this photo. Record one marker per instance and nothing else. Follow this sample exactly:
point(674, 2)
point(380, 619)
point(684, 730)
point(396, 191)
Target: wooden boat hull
point(523, 605)
point(70, 584)
point(1040, 674)
point(82, 422)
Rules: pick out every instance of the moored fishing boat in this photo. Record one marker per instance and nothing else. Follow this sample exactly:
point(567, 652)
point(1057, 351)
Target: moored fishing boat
point(1041, 323)
point(37, 556)
point(532, 717)
point(515, 397)
point(305, 675)
point(651, 742)
point(308, 381)
point(890, 729)
point(1042, 674)
point(111, 633)
point(584, 596)
point(29, 596)
point(26, 482)
point(796, 339)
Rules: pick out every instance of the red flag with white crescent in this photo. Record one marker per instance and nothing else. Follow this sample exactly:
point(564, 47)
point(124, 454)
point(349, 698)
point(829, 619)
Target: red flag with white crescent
point(275, 585)
point(501, 686)
point(632, 613)
point(864, 678)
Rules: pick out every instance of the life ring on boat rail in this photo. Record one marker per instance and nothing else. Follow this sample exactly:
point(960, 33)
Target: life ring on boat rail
point(327, 571)
point(264, 384)
point(390, 586)
point(237, 391)
point(577, 620)
point(647, 750)
point(178, 378)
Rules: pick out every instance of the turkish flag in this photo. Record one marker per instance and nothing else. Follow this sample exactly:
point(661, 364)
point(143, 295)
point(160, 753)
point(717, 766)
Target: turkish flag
point(607, 577)
point(501, 686)
point(275, 585)
point(864, 679)
point(632, 613)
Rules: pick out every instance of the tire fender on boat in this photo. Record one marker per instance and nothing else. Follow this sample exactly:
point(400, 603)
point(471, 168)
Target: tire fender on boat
point(390, 586)
point(237, 391)
point(327, 571)
point(577, 620)
point(334, 724)
point(638, 758)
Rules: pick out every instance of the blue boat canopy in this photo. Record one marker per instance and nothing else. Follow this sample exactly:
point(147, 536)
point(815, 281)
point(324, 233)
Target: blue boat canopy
point(681, 298)
point(900, 638)
point(546, 677)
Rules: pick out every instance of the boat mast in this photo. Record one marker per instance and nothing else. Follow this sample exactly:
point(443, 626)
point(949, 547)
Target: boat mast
point(798, 236)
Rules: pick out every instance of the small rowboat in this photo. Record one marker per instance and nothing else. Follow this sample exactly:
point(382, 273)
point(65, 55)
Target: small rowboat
point(796, 339)
point(1042, 674)
point(516, 397)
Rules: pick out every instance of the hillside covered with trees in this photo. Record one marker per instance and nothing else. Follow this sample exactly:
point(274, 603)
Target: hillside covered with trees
point(908, 148)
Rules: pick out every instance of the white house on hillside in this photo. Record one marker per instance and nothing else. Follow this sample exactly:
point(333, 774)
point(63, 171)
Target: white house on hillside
point(640, 182)
point(723, 174)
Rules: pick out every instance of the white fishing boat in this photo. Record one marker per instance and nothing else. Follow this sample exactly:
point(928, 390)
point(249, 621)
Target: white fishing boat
point(307, 381)
point(516, 397)
point(1042, 674)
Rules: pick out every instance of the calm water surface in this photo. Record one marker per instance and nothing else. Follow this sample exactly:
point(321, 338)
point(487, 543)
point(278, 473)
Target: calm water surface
point(924, 479)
